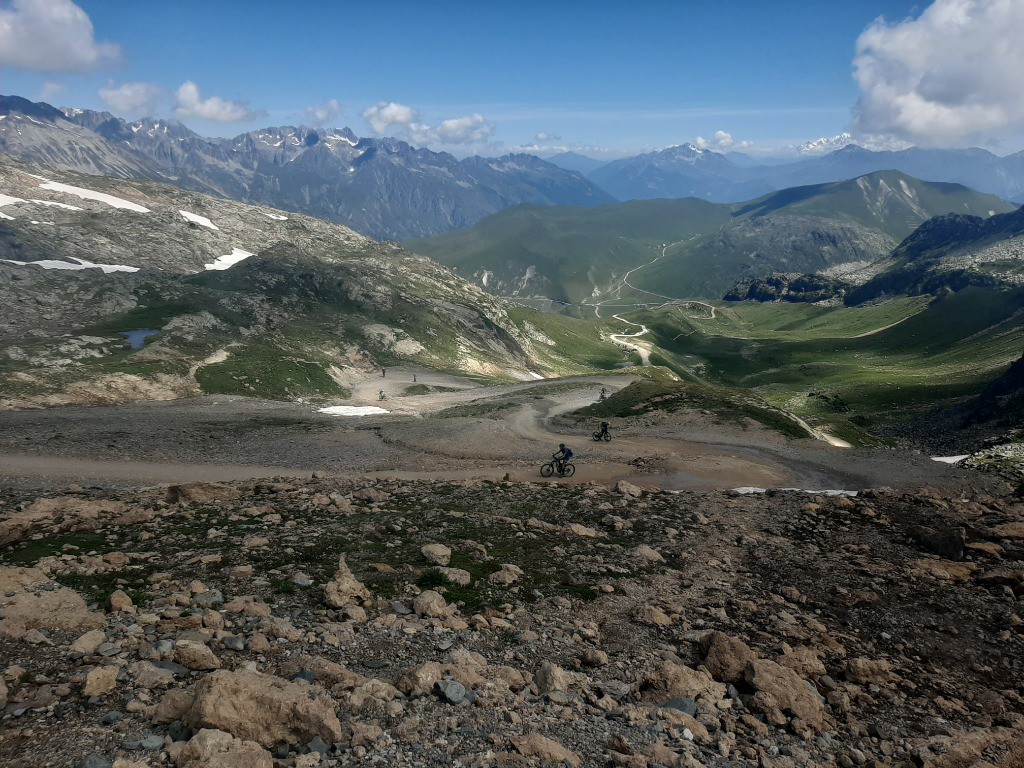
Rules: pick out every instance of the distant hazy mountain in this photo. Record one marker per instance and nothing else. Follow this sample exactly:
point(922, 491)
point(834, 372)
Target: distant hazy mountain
point(573, 161)
point(686, 171)
point(682, 171)
point(576, 255)
point(381, 187)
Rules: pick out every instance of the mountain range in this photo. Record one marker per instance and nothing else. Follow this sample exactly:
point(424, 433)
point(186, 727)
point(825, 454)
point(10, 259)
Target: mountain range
point(655, 250)
point(686, 170)
point(384, 188)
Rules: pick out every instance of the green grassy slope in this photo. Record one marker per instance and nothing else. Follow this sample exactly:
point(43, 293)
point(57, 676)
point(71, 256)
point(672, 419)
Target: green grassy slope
point(866, 365)
point(565, 253)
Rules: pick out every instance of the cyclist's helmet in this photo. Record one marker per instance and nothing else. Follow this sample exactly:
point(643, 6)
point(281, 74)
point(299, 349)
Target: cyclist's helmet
point(561, 445)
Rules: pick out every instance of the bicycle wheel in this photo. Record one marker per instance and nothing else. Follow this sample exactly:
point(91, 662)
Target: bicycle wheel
point(570, 470)
point(597, 436)
point(546, 470)
point(607, 437)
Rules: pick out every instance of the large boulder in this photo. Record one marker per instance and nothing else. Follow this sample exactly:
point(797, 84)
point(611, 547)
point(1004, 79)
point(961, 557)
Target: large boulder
point(216, 749)
point(780, 692)
point(672, 680)
point(263, 708)
point(24, 607)
point(727, 657)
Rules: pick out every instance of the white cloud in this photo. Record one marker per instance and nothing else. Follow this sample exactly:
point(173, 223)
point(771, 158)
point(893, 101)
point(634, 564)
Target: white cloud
point(953, 73)
point(132, 99)
point(52, 36)
point(389, 117)
point(191, 104)
point(322, 114)
point(384, 114)
point(50, 90)
point(543, 137)
point(459, 130)
point(722, 140)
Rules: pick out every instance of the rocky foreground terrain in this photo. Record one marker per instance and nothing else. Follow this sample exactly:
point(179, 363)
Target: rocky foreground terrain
point(350, 622)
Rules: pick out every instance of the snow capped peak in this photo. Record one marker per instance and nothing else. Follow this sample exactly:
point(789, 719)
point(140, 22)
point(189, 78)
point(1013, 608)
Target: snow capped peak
point(824, 145)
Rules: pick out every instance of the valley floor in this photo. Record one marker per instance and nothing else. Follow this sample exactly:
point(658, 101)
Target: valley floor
point(456, 430)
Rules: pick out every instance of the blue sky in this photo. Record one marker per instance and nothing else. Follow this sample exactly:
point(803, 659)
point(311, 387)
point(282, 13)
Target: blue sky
point(604, 78)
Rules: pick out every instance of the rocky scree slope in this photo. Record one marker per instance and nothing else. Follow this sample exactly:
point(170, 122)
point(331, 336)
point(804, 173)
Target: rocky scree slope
point(329, 622)
point(380, 187)
point(250, 300)
point(952, 252)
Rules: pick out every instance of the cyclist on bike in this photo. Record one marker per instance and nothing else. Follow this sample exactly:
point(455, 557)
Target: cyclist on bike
point(563, 456)
point(604, 428)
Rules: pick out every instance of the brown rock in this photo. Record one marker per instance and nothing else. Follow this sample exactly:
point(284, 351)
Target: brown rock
point(173, 705)
point(264, 708)
point(196, 656)
point(100, 680)
point(59, 609)
point(804, 660)
point(535, 745)
point(727, 657)
point(345, 589)
point(868, 671)
point(672, 680)
point(216, 749)
point(784, 690)
point(652, 616)
point(430, 604)
point(120, 602)
point(201, 493)
point(420, 680)
point(508, 575)
point(437, 554)
point(89, 642)
point(551, 677)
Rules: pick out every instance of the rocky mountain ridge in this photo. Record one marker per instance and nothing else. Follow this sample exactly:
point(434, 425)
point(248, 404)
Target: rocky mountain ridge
point(244, 298)
point(381, 187)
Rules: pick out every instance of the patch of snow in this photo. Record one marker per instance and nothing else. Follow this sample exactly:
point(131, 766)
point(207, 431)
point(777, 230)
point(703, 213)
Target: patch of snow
point(57, 205)
point(352, 410)
point(8, 200)
point(202, 221)
point(991, 213)
point(89, 194)
point(81, 264)
point(535, 375)
point(950, 459)
point(6, 217)
point(747, 489)
point(223, 262)
point(50, 223)
point(276, 216)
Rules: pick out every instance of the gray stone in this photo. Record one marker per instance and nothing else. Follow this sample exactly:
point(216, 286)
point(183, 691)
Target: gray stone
point(450, 691)
point(93, 761)
point(111, 717)
point(209, 599)
point(234, 643)
point(688, 706)
point(318, 745)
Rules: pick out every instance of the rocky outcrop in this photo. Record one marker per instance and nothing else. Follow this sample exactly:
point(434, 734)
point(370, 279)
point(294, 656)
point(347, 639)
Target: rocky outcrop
point(263, 708)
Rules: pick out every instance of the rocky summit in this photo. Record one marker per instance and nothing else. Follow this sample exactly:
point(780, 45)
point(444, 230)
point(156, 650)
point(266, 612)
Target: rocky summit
point(328, 622)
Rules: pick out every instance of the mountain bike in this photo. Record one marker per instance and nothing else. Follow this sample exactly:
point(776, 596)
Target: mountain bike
point(603, 435)
point(568, 469)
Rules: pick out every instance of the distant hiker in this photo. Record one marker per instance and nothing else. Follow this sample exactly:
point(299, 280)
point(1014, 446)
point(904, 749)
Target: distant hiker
point(414, 378)
point(383, 372)
point(382, 396)
point(603, 395)
point(563, 455)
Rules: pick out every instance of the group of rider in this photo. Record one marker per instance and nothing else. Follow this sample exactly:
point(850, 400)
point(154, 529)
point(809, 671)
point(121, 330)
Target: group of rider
point(564, 454)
